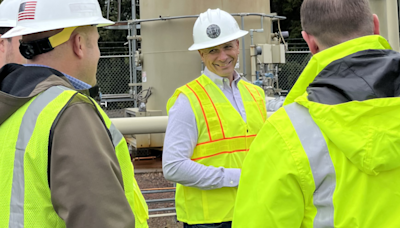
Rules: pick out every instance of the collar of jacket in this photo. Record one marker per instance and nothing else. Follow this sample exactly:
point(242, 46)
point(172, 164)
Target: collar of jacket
point(320, 60)
point(221, 82)
point(18, 84)
point(76, 83)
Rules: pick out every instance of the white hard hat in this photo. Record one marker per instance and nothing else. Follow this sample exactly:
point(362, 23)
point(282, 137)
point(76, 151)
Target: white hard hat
point(8, 13)
point(215, 27)
point(45, 15)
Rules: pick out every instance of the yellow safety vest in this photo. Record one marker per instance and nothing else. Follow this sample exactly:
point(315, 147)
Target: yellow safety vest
point(223, 140)
point(25, 194)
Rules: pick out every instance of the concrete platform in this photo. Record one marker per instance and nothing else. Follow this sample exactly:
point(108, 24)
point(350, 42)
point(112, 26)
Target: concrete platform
point(148, 165)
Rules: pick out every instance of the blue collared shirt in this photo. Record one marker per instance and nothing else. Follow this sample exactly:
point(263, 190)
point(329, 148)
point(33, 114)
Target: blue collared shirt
point(76, 83)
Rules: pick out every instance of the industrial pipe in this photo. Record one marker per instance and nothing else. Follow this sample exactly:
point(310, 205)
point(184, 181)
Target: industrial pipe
point(119, 10)
point(141, 125)
point(108, 9)
point(256, 30)
point(253, 62)
point(196, 16)
point(131, 58)
point(243, 50)
point(133, 48)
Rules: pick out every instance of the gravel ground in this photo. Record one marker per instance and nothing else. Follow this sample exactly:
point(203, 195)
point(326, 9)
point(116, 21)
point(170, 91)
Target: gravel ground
point(156, 180)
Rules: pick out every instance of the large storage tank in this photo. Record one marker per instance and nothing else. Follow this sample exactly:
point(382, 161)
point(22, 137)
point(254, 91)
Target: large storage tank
point(167, 63)
point(387, 11)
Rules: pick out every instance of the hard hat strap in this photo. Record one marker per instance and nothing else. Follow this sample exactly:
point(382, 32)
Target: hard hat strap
point(37, 47)
point(33, 48)
point(61, 37)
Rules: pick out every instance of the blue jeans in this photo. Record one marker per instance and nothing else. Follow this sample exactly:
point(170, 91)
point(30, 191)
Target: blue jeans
point(212, 225)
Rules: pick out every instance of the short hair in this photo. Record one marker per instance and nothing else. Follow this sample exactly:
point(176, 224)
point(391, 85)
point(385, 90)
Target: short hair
point(4, 30)
point(335, 21)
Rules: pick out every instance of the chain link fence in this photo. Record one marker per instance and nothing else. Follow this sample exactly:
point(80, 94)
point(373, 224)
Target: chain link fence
point(296, 61)
point(113, 74)
point(113, 78)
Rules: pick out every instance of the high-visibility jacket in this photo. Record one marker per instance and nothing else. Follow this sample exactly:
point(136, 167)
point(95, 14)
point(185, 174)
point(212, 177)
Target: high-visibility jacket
point(322, 59)
point(322, 163)
point(26, 197)
point(223, 140)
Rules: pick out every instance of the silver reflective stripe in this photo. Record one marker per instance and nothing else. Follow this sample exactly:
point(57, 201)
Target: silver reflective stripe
point(116, 135)
point(321, 164)
point(25, 132)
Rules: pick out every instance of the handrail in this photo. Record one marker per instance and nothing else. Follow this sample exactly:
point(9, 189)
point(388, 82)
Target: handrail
point(161, 18)
point(160, 200)
point(158, 191)
point(149, 189)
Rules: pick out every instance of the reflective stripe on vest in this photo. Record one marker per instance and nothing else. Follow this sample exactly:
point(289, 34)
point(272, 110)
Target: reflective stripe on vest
point(214, 125)
point(324, 175)
point(252, 90)
point(24, 135)
point(131, 188)
point(116, 135)
point(218, 143)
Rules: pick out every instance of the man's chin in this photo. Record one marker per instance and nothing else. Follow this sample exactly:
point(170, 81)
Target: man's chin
point(225, 73)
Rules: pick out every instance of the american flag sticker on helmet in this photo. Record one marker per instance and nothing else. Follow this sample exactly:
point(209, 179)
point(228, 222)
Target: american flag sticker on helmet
point(27, 10)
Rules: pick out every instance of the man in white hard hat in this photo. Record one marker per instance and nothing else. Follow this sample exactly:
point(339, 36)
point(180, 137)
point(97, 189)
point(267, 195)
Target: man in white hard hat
point(212, 121)
point(63, 163)
point(9, 52)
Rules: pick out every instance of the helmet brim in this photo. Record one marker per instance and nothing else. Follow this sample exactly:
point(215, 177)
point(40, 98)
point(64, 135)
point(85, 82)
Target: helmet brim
point(42, 27)
point(213, 43)
point(7, 23)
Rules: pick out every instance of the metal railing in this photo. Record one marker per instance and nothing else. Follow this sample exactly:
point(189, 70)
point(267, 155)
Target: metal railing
point(165, 209)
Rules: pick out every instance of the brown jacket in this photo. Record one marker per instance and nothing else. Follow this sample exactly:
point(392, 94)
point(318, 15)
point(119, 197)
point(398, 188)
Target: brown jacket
point(84, 174)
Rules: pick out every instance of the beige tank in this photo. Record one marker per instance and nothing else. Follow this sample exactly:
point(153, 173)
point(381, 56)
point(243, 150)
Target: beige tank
point(388, 14)
point(167, 63)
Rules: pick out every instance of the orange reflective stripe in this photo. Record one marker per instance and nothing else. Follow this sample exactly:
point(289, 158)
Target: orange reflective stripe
point(202, 109)
point(220, 123)
point(248, 136)
point(262, 99)
point(211, 116)
point(258, 105)
point(225, 152)
point(209, 149)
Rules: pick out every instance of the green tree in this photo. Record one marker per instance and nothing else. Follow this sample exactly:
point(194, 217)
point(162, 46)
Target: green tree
point(125, 15)
point(291, 10)
point(113, 73)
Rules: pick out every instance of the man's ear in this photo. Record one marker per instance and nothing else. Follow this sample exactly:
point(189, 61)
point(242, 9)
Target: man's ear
point(78, 45)
point(2, 45)
point(201, 55)
point(311, 42)
point(376, 25)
